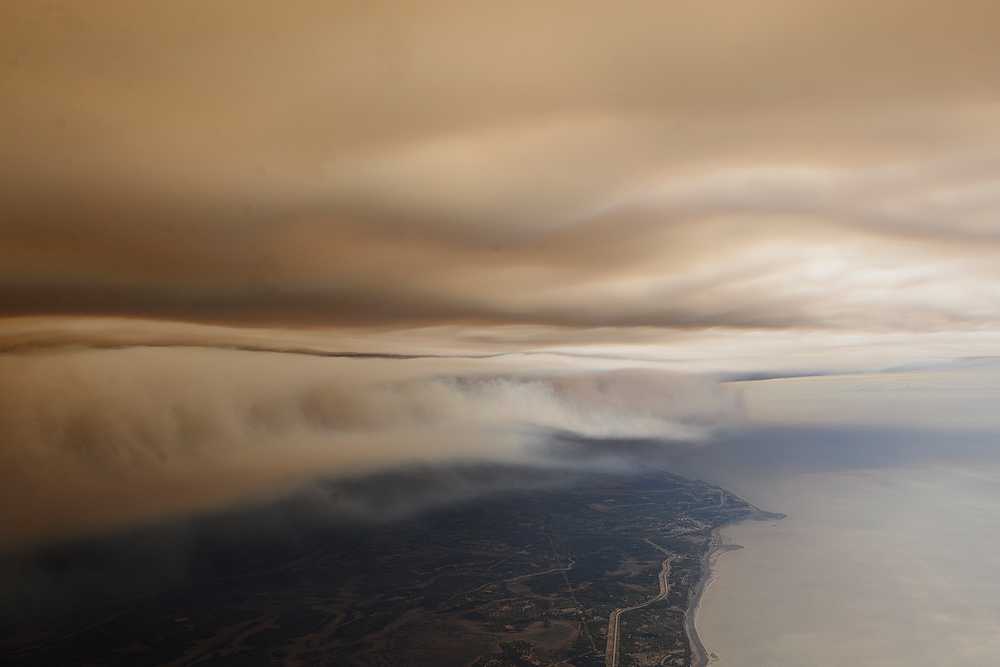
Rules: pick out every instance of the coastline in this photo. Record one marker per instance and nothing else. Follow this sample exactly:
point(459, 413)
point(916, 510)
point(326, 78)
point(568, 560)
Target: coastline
point(700, 655)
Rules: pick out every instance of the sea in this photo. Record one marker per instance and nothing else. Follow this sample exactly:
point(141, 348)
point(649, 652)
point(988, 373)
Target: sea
point(890, 552)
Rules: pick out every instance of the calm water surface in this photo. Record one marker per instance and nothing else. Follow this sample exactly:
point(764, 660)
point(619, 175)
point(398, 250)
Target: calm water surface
point(884, 559)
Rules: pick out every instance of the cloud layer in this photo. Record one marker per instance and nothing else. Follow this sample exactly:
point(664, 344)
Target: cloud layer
point(96, 439)
point(460, 164)
point(393, 194)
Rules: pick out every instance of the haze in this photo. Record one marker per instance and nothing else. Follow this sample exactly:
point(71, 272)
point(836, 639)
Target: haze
point(246, 246)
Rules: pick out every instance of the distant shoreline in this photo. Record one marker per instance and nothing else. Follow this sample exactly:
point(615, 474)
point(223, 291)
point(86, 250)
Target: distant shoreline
point(717, 546)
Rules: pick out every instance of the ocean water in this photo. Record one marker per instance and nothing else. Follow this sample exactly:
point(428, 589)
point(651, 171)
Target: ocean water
point(890, 554)
point(890, 567)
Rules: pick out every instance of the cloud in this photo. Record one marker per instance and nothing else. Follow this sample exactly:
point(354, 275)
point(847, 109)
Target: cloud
point(671, 185)
point(467, 165)
point(98, 439)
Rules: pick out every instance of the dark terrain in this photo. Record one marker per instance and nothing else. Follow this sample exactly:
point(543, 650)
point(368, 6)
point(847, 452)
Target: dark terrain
point(528, 575)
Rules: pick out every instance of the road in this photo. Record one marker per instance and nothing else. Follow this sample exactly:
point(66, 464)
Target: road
point(614, 622)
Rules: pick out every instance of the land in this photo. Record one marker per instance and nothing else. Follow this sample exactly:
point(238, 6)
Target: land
point(604, 570)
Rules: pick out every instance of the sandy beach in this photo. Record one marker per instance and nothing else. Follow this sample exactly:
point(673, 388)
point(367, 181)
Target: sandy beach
point(718, 545)
point(700, 656)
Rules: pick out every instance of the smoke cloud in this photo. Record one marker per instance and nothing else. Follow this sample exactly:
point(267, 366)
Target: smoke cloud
point(455, 164)
point(466, 227)
point(98, 439)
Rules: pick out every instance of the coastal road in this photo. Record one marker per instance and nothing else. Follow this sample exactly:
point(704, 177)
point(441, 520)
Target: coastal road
point(614, 621)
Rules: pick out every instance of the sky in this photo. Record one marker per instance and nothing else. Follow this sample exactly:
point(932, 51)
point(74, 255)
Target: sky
point(247, 244)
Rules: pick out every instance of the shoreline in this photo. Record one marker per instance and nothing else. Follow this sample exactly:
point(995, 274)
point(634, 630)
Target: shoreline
point(700, 655)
